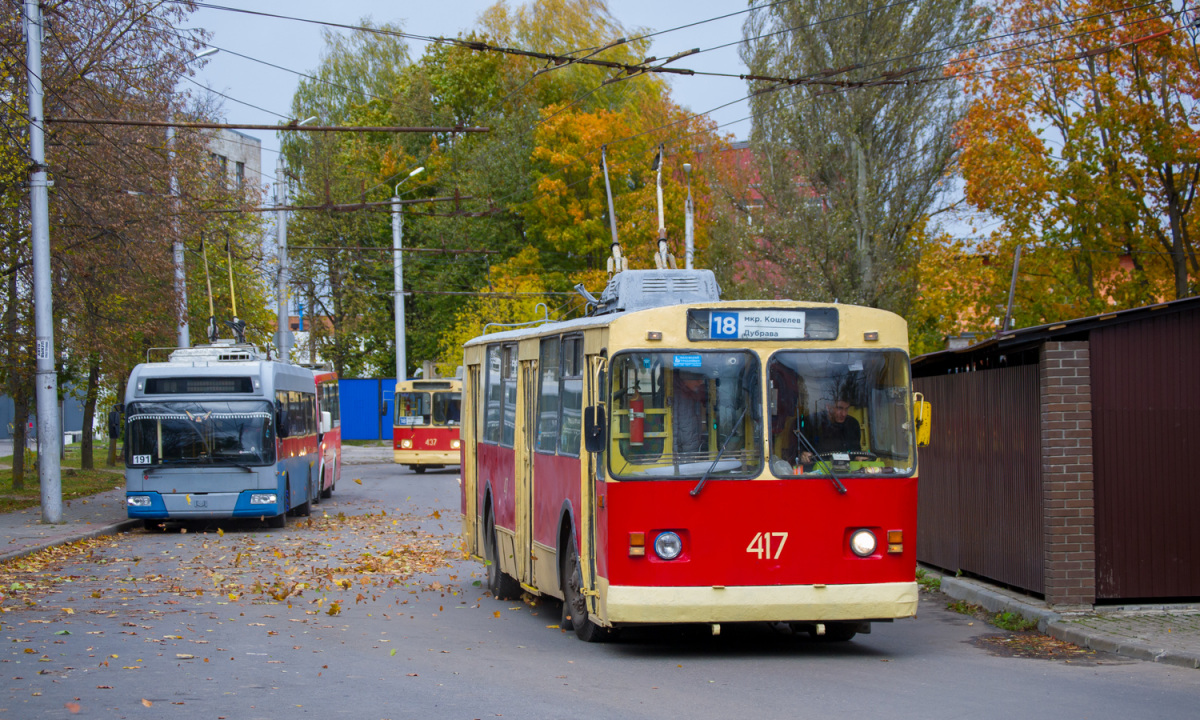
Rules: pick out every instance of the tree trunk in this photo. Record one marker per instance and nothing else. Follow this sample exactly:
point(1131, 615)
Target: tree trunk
point(112, 442)
point(20, 404)
point(89, 414)
point(20, 422)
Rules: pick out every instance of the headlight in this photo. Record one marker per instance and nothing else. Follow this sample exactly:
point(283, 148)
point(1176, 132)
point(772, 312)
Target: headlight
point(668, 545)
point(406, 444)
point(262, 498)
point(862, 542)
point(138, 500)
point(455, 444)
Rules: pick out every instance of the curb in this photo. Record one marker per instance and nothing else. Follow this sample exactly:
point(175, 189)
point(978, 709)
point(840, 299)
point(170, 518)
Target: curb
point(1122, 646)
point(113, 529)
point(995, 600)
point(1059, 627)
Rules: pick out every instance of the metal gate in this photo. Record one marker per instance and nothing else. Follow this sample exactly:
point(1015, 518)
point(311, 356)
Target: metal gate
point(1145, 432)
point(980, 498)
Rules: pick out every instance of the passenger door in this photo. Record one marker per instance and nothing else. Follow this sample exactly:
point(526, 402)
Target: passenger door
point(469, 435)
point(523, 445)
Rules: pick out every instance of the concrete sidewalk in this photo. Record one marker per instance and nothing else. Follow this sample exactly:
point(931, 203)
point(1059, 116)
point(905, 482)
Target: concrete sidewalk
point(1159, 633)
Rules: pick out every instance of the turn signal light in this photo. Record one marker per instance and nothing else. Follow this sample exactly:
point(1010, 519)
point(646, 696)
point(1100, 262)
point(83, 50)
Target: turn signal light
point(637, 544)
point(895, 541)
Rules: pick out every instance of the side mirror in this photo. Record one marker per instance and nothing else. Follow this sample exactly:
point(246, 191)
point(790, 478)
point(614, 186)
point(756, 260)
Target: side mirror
point(326, 422)
point(922, 414)
point(593, 429)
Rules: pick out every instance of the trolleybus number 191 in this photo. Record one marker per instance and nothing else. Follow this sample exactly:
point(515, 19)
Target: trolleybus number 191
point(763, 547)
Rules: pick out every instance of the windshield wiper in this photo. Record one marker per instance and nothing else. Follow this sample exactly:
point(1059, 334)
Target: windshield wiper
point(837, 483)
point(700, 485)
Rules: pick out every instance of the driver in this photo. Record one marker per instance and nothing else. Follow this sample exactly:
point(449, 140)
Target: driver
point(836, 431)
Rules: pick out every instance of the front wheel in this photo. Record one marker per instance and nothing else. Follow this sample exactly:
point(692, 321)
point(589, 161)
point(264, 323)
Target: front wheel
point(418, 469)
point(575, 614)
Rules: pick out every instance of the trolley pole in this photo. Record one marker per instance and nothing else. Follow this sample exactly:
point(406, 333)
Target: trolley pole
point(398, 276)
point(283, 338)
point(689, 223)
point(49, 436)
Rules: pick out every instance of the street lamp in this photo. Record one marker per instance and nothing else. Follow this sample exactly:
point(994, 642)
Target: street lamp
point(398, 274)
point(283, 334)
point(182, 332)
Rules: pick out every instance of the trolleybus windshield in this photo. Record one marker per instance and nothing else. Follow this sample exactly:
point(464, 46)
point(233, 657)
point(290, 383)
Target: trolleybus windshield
point(846, 412)
point(422, 408)
point(200, 433)
point(679, 414)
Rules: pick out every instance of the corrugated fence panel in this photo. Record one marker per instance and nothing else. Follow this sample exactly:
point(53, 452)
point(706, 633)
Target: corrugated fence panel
point(366, 408)
point(1146, 436)
point(980, 501)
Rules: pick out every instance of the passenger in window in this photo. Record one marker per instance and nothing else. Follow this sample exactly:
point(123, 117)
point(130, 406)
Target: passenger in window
point(835, 431)
point(690, 411)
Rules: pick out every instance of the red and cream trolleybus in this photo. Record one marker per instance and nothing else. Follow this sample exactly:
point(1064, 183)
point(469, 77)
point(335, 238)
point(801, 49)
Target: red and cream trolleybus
point(220, 431)
point(425, 433)
point(673, 458)
point(330, 451)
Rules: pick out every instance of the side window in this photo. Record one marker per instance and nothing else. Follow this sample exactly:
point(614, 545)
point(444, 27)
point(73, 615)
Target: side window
point(510, 395)
point(281, 402)
point(491, 418)
point(547, 423)
point(571, 397)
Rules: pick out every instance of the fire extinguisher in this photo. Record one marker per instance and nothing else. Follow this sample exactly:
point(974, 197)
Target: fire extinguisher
point(637, 420)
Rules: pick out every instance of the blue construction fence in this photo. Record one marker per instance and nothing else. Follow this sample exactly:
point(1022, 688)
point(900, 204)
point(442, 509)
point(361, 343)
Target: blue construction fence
point(362, 403)
point(367, 408)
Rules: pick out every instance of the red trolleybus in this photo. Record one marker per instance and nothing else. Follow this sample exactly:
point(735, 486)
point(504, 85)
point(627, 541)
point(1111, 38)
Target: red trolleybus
point(330, 451)
point(677, 459)
point(219, 431)
point(426, 429)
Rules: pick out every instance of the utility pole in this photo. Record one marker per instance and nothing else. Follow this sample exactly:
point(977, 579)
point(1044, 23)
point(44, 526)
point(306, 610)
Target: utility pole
point(283, 337)
point(1012, 288)
point(182, 335)
point(398, 276)
point(49, 437)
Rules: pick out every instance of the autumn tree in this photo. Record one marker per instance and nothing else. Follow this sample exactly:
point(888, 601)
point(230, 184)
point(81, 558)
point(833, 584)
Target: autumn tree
point(1082, 140)
point(542, 123)
point(852, 155)
point(113, 210)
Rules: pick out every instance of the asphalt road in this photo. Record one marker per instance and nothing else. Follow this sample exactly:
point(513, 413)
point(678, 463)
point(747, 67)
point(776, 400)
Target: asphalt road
point(368, 611)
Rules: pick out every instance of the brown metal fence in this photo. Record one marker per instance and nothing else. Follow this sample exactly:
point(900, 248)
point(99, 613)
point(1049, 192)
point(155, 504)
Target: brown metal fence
point(980, 497)
point(1146, 438)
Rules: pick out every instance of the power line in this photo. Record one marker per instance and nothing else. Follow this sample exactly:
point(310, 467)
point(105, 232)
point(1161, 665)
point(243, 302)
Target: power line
point(292, 126)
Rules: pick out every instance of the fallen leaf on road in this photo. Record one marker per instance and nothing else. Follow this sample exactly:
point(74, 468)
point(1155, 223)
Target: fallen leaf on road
point(146, 702)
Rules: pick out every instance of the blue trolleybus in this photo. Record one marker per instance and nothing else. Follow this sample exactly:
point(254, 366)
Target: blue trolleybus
point(220, 431)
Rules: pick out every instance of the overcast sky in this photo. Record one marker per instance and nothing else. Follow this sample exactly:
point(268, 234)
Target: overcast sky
point(298, 46)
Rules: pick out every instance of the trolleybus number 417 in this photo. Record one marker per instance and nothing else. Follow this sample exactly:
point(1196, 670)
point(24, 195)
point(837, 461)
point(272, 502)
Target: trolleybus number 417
point(762, 547)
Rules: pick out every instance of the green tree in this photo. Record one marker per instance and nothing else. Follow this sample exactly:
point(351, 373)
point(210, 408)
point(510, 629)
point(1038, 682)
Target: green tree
point(853, 160)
